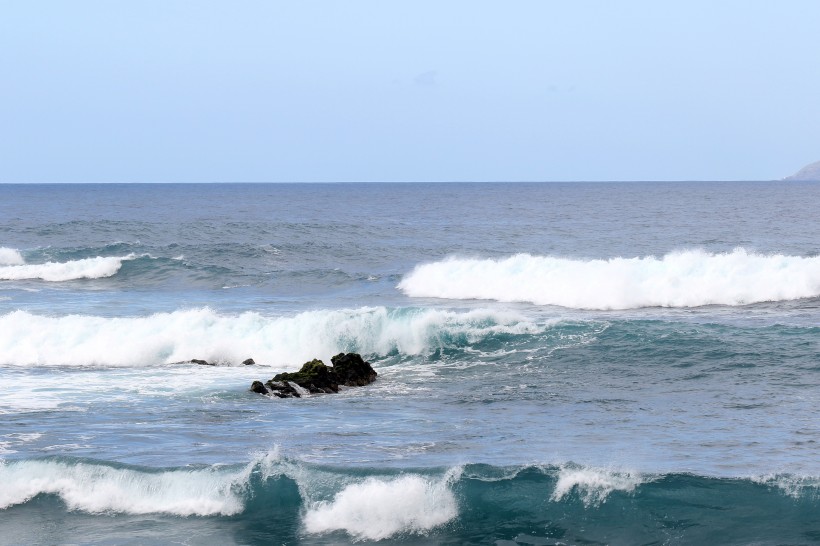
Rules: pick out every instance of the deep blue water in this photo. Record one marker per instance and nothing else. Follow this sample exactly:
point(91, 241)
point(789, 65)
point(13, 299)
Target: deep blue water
point(613, 363)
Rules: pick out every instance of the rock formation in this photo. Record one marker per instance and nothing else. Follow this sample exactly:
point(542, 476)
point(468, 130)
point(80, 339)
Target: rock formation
point(316, 377)
point(200, 362)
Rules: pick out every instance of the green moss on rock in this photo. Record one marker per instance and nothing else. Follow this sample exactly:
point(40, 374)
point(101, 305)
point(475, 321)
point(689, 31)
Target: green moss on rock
point(317, 377)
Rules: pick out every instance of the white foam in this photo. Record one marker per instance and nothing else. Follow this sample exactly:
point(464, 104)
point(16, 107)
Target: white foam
point(678, 279)
point(87, 268)
point(73, 392)
point(594, 485)
point(15, 439)
point(163, 338)
point(379, 508)
point(98, 488)
point(10, 256)
point(795, 486)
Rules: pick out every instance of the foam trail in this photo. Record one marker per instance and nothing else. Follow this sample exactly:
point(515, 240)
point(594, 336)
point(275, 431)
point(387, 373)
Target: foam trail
point(87, 268)
point(163, 338)
point(678, 279)
point(10, 256)
point(380, 508)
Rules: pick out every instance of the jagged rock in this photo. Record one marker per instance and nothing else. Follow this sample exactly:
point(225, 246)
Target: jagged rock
point(317, 377)
point(248, 362)
point(202, 362)
point(351, 370)
point(283, 389)
point(259, 387)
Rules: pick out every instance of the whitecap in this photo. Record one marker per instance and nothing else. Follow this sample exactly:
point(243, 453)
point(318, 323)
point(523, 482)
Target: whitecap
point(99, 488)
point(678, 279)
point(793, 485)
point(10, 256)
point(593, 485)
point(86, 268)
point(378, 508)
point(165, 338)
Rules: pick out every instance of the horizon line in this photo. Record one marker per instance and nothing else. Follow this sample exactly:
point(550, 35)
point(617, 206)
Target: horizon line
point(786, 179)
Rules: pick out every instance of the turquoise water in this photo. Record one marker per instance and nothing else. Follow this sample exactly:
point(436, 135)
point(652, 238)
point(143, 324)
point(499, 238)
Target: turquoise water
point(558, 363)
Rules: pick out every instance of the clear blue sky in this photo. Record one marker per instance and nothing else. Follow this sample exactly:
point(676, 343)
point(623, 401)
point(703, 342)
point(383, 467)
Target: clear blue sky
point(195, 91)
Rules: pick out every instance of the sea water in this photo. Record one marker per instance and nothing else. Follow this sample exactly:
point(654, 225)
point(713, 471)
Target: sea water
point(613, 363)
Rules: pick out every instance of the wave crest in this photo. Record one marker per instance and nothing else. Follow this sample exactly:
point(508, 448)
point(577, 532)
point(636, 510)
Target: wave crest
point(99, 488)
point(10, 256)
point(86, 268)
point(164, 338)
point(678, 279)
point(375, 504)
point(376, 509)
point(593, 485)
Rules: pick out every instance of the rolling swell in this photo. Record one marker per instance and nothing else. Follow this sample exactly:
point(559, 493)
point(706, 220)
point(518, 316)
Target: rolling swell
point(127, 262)
point(678, 279)
point(182, 266)
point(276, 497)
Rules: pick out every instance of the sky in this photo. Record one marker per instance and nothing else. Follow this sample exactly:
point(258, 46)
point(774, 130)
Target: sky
point(365, 90)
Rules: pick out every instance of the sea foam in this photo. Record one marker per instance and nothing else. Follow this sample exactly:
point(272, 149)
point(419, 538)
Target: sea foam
point(678, 279)
point(163, 338)
point(10, 256)
point(86, 268)
point(593, 485)
point(795, 486)
point(376, 508)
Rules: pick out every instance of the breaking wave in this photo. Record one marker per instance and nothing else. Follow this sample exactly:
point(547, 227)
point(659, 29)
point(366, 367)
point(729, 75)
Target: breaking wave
point(164, 338)
point(678, 279)
point(379, 508)
point(372, 506)
point(593, 485)
point(14, 268)
point(458, 505)
point(99, 488)
point(10, 256)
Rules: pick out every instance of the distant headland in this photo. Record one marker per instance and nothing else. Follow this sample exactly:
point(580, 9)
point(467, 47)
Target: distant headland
point(809, 173)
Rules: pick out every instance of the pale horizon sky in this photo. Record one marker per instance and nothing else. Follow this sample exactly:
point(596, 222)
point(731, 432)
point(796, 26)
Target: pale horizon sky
point(309, 91)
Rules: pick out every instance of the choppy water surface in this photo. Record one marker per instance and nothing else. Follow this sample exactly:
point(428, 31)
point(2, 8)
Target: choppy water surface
point(558, 363)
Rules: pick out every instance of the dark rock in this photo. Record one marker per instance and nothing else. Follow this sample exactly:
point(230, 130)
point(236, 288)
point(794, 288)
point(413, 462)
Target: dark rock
point(202, 362)
point(352, 371)
point(283, 389)
point(316, 377)
point(248, 362)
point(258, 386)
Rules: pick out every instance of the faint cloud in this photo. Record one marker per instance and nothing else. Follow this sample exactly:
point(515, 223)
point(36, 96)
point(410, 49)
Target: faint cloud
point(426, 78)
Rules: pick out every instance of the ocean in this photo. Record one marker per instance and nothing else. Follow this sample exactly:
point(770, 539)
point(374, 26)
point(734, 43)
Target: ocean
point(558, 363)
